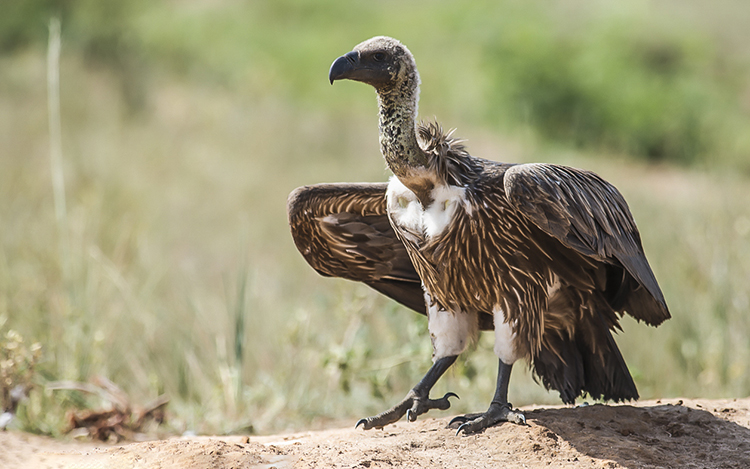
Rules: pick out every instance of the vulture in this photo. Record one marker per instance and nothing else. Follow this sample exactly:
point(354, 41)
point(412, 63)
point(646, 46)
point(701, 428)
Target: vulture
point(546, 256)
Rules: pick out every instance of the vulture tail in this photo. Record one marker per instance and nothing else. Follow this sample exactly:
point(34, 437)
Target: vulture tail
point(586, 361)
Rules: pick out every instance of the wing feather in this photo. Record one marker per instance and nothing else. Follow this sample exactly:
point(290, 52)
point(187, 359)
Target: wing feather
point(342, 230)
point(589, 215)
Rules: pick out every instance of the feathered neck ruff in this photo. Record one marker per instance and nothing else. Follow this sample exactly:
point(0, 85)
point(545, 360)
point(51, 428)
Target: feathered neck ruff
point(421, 155)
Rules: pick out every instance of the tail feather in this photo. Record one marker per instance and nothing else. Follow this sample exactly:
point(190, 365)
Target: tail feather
point(585, 360)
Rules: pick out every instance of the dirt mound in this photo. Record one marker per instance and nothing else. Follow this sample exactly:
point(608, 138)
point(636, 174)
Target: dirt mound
point(650, 434)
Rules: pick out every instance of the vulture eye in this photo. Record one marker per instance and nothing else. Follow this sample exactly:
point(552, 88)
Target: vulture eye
point(378, 56)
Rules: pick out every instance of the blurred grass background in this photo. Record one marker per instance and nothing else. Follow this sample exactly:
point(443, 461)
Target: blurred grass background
point(185, 124)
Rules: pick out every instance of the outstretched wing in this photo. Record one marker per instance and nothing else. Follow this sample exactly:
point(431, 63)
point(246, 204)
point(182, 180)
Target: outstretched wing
point(342, 230)
point(589, 215)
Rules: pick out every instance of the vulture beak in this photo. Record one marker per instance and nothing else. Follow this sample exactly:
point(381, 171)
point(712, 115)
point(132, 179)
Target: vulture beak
point(344, 67)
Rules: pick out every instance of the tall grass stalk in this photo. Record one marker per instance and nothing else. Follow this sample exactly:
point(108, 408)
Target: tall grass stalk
point(55, 141)
point(239, 329)
point(240, 314)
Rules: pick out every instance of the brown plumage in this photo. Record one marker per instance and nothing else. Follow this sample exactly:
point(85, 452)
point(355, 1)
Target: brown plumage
point(342, 230)
point(548, 256)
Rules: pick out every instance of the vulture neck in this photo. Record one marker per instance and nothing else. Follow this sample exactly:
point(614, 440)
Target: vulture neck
point(398, 138)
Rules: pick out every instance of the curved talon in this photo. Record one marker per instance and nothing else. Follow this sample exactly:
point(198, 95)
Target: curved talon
point(451, 394)
point(458, 432)
point(361, 422)
point(409, 413)
point(464, 418)
point(457, 419)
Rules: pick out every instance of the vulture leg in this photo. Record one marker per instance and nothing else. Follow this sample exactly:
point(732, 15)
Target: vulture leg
point(500, 409)
point(417, 401)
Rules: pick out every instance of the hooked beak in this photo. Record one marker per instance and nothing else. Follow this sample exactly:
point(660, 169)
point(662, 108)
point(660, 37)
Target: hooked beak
point(344, 66)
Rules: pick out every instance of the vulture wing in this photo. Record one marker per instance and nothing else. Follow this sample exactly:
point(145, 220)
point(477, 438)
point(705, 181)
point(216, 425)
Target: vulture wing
point(342, 230)
point(589, 215)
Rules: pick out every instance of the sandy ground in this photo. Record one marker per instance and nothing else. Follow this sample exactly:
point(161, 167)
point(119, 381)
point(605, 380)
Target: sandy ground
point(689, 433)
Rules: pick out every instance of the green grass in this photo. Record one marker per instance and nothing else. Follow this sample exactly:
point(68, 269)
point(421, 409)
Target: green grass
point(182, 277)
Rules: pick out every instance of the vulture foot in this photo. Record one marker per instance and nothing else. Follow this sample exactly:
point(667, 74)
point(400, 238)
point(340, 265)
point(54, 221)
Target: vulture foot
point(413, 405)
point(475, 423)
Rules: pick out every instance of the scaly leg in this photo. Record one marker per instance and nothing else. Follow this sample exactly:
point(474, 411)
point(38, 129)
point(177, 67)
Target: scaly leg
point(417, 401)
point(500, 409)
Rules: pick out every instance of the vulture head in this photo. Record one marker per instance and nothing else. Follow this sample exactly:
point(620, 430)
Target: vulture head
point(382, 62)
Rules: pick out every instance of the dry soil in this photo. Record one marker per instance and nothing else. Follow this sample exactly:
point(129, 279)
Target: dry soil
point(687, 433)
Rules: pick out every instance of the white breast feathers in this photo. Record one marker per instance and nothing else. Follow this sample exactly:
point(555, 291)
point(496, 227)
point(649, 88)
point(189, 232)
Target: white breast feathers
point(407, 212)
